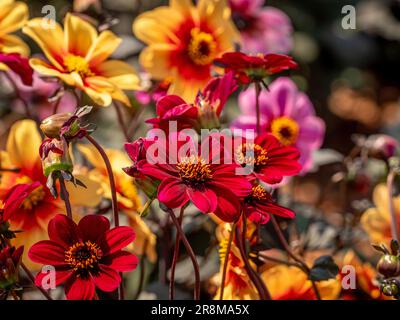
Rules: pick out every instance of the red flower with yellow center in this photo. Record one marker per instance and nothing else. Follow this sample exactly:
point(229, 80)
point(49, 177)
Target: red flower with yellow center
point(212, 186)
point(86, 256)
point(183, 41)
point(249, 68)
point(270, 160)
point(259, 205)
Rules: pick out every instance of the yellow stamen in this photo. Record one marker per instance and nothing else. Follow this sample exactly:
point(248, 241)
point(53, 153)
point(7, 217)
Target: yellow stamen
point(194, 169)
point(35, 197)
point(252, 154)
point(78, 64)
point(259, 193)
point(286, 130)
point(202, 47)
point(83, 255)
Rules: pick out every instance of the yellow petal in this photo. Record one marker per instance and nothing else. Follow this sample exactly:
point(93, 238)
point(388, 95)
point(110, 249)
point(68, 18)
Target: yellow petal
point(103, 47)
point(23, 144)
point(13, 16)
point(13, 44)
point(100, 90)
point(79, 35)
point(93, 156)
point(158, 26)
point(155, 60)
point(47, 70)
point(376, 224)
point(183, 6)
point(186, 88)
point(120, 73)
point(88, 197)
point(49, 39)
point(145, 242)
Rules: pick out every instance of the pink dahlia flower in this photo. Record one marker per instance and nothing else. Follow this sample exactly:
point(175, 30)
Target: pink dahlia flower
point(263, 29)
point(288, 114)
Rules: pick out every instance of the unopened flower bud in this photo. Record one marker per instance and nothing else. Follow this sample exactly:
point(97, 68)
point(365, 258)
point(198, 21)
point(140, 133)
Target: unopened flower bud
point(390, 287)
point(389, 266)
point(57, 157)
point(52, 125)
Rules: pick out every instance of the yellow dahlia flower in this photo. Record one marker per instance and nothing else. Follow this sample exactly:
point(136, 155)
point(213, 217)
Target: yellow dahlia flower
point(183, 41)
point(78, 56)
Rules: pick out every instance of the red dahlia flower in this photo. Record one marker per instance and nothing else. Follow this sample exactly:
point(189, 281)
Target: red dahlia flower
point(86, 256)
point(249, 68)
point(259, 205)
point(271, 160)
point(212, 188)
point(203, 113)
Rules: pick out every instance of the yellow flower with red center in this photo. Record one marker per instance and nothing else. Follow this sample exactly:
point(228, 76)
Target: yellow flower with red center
point(32, 217)
point(78, 55)
point(376, 221)
point(291, 283)
point(238, 285)
point(183, 41)
point(127, 195)
point(13, 16)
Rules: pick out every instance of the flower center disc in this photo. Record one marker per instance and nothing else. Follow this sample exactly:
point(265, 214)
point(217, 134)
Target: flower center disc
point(202, 47)
point(286, 130)
point(194, 170)
point(78, 64)
point(251, 154)
point(35, 197)
point(259, 193)
point(83, 256)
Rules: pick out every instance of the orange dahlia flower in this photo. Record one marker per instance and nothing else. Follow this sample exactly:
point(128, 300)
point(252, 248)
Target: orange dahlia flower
point(78, 56)
point(183, 41)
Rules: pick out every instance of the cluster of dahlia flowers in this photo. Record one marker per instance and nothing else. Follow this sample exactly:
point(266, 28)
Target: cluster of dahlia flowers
point(60, 187)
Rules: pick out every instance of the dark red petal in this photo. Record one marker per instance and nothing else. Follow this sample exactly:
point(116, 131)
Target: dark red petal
point(172, 193)
point(92, 227)
point(168, 102)
point(229, 207)
point(205, 200)
point(77, 288)
point(121, 261)
point(116, 239)
point(63, 231)
point(257, 216)
point(15, 196)
point(47, 252)
point(107, 279)
point(61, 277)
